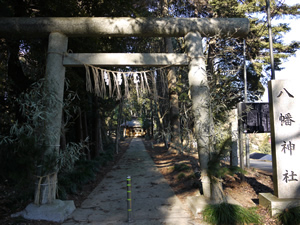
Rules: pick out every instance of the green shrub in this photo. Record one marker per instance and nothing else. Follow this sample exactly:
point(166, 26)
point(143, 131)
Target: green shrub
point(229, 214)
point(66, 185)
point(18, 161)
point(72, 181)
point(192, 176)
point(290, 216)
point(181, 176)
point(181, 167)
point(83, 172)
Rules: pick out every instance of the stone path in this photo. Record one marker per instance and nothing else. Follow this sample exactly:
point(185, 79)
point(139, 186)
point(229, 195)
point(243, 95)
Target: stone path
point(153, 201)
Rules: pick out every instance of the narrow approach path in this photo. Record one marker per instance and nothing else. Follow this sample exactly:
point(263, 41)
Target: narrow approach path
point(153, 201)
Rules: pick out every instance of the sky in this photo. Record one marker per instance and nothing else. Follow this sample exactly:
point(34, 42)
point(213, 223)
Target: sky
point(291, 67)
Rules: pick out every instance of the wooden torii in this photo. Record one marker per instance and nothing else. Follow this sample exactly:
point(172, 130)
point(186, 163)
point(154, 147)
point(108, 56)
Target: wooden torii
point(192, 29)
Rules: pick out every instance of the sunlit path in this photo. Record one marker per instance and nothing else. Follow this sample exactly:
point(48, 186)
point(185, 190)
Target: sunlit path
point(153, 201)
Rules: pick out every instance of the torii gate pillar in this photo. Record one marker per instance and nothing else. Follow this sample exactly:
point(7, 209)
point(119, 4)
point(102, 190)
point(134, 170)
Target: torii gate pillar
point(54, 85)
point(54, 90)
point(201, 104)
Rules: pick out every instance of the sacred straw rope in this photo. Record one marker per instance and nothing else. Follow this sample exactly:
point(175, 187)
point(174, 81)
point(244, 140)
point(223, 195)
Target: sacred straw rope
point(51, 187)
point(100, 90)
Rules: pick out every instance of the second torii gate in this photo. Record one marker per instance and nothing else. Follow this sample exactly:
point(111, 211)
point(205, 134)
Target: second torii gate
point(192, 29)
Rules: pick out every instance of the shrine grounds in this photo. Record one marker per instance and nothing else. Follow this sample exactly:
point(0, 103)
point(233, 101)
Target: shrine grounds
point(183, 183)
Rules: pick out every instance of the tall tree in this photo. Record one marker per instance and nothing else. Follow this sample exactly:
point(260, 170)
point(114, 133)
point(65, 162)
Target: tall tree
point(173, 95)
point(225, 59)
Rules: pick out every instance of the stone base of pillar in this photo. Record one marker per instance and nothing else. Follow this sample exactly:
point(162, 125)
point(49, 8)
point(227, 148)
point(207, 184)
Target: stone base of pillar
point(57, 211)
point(275, 204)
point(206, 185)
point(197, 203)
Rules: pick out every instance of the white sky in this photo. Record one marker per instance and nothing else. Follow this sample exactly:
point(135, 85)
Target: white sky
point(291, 66)
point(292, 69)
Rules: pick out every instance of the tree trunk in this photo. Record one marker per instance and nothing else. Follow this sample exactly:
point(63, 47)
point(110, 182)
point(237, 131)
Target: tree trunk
point(79, 127)
point(118, 130)
point(173, 95)
point(86, 134)
point(104, 132)
point(96, 127)
point(161, 104)
point(14, 70)
point(151, 125)
point(210, 60)
point(100, 135)
point(16, 74)
point(63, 141)
point(174, 105)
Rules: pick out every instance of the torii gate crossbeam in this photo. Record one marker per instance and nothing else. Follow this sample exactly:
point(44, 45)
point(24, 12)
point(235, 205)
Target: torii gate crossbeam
point(123, 26)
point(125, 59)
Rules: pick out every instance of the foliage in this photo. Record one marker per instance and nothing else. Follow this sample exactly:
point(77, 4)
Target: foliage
point(107, 155)
point(289, 216)
point(181, 176)
point(25, 144)
point(33, 109)
point(19, 160)
point(67, 158)
point(265, 146)
point(181, 167)
point(70, 181)
point(215, 168)
point(225, 56)
point(229, 214)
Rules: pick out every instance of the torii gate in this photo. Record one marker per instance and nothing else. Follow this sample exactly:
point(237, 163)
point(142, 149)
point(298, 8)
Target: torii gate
point(192, 29)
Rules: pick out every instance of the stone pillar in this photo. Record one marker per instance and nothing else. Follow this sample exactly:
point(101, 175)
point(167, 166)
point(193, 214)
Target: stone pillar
point(284, 98)
point(199, 90)
point(285, 129)
point(54, 91)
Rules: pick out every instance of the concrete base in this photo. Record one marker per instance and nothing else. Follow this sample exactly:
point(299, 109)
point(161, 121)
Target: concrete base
point(58, 211)
point(276, 205)
point(198, 203)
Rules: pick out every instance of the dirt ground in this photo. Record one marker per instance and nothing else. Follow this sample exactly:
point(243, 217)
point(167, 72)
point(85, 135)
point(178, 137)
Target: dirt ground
point(245, 192)
point(183, 180)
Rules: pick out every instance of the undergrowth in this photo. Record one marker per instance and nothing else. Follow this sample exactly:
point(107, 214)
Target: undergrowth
point(229, 214)
point(289, 216)
point(84, 171)
point(181, 167)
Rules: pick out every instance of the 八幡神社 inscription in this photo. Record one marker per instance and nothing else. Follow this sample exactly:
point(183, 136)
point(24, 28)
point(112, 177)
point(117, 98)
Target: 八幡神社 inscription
point(288, 147)
point(286, 119)
point(289, 177)
point(285, 127)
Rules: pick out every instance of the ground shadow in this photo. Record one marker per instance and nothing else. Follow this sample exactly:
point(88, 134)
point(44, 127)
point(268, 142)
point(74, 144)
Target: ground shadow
point(257, 186)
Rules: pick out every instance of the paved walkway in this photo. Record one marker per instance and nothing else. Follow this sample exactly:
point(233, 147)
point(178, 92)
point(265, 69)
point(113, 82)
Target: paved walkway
point(153, 201)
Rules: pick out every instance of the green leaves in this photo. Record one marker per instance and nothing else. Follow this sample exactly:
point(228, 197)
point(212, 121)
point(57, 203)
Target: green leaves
point(229, 214)
point(290, 215)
